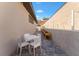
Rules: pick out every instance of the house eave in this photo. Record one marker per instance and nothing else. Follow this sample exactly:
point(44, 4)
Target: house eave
point(29, 8)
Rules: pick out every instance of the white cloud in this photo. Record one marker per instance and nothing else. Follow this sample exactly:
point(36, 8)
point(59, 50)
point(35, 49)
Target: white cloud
point(37, 16)
point(39, 11)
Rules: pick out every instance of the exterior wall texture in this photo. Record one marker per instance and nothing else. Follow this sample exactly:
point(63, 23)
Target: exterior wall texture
point(63, 17)
point(61, 28)
point(13, 24)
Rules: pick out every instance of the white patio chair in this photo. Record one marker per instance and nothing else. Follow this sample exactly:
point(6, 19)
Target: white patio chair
point(36, 43)
point(26, 36)
point(21, 44)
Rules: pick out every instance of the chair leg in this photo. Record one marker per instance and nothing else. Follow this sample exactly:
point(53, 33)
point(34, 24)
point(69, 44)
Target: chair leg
point(34, 51)
point(26, 48)
point(29, 49)
point(40, 50)
point(20, 51)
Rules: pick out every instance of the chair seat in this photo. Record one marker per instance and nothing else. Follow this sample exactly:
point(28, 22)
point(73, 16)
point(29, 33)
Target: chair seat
point(35, 45)
point(23, 44)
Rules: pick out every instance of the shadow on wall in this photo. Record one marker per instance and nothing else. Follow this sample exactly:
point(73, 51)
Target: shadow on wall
point(68, 40)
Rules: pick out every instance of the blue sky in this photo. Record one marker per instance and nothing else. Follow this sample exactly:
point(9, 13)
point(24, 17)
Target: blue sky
point(46, 9)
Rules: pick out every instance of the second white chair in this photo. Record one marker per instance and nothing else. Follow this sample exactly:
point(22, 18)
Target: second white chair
point(36, 43)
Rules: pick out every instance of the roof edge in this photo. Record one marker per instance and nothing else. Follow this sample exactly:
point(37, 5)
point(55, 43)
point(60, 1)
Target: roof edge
point(31, 8)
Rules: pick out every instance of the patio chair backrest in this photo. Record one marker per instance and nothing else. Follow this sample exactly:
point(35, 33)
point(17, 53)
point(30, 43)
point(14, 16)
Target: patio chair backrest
point(20, 40)
point(37, 40)
point(39, 35)
point(26, 35)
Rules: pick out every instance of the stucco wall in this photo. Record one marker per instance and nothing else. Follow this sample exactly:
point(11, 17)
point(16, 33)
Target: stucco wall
point(13, 23)
point(63, 17)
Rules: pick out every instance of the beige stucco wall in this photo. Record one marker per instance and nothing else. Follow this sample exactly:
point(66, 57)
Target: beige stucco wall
point(13, 23)
point(60, 27)
point(63, 17)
